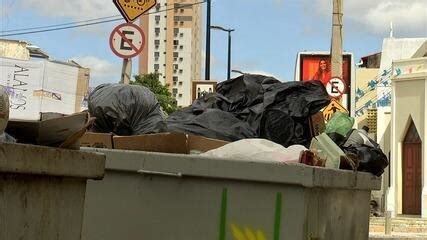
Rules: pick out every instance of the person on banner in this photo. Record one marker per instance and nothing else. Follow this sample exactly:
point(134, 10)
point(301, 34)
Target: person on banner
point(323, 73)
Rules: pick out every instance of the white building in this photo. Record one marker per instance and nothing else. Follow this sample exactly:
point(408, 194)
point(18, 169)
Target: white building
point(407, 194)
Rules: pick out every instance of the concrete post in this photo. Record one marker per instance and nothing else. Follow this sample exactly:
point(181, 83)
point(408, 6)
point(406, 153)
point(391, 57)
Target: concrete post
point(336, 46)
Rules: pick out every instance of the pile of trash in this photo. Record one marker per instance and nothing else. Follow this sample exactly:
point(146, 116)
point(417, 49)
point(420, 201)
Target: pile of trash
point(254, 106)
point(342, 147)
point(261, 117)
point(244, 110)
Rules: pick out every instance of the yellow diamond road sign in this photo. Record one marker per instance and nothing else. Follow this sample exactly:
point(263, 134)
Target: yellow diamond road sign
point(334, 106)
point(132, 9)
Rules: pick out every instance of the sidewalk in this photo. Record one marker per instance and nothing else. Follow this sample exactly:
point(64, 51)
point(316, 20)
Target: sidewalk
point(399, 236)
point(402, 229)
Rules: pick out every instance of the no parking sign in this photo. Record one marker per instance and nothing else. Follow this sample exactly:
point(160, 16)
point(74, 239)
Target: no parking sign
point(127, 40)
point(335, 87)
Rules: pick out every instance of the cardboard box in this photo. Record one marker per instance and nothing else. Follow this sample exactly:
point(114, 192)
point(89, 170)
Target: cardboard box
point(167, 143)
point(52, 129)
point(97, 140)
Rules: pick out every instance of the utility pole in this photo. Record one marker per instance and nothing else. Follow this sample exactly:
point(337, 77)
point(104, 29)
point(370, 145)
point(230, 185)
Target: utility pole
point(336, 46)
point(229, 57)
point(208, 41)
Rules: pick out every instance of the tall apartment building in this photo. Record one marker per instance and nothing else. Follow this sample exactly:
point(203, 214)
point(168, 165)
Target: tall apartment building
point(173, 45)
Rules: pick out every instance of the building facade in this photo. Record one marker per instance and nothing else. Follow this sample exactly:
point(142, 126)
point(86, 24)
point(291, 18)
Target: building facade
point(407, 194)
point(173, 33)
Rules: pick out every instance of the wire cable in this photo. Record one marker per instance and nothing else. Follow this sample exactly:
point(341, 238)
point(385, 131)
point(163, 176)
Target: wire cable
point(58, 25)
point(89, 24)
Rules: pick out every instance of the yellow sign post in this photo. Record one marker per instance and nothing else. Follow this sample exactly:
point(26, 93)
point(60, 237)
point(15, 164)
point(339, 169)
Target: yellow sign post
point(132, 9)
point(334, 106)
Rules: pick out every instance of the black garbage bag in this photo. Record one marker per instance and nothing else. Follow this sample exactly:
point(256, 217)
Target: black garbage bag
point(212, 123)
point(125, 110)
point(287, 107)
point(244, 92)
point(371, 159)
point(254, 106)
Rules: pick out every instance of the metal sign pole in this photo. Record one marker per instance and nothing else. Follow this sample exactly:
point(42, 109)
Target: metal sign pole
point(126, 71)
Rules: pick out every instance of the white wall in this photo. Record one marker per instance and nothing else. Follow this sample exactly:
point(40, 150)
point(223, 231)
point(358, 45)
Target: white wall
point(393, 49)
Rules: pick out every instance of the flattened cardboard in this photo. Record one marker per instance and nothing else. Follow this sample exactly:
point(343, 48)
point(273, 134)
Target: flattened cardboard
point(203, 144)
point(162, 142)
point(167, 143)
point(50, 130)
point(97, 140)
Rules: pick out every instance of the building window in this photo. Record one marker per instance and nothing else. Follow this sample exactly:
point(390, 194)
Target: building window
point(175, 66)
point(157, 31)
point(181, 34)
point(175, 78)
point(181, 47)
point(156, 66)
point(180, 70)
point(157, 6)
point(182, 10)
point(181, 59)
point(174, 90)
point(175, 42)
point(175, 54)
point(175, 32)
point(175, 23)
point(181, 23)
point(180, 83)
point(156, 42)
point(180, 95)
point(156, 54)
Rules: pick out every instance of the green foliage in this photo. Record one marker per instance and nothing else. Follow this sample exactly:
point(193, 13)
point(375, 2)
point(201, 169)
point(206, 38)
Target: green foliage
point(151, 81)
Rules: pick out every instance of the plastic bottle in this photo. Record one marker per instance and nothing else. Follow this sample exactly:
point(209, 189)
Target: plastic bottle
point(326, 149)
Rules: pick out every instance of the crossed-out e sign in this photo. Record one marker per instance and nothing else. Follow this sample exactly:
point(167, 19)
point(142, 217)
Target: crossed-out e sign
point(335, 87)
point(127, 40)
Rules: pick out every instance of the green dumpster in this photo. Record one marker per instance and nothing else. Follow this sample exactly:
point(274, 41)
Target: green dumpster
point(155, 196)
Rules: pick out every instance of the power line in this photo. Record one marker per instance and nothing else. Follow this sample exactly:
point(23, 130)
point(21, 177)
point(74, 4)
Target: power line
point(89, 24)
point(57, 25)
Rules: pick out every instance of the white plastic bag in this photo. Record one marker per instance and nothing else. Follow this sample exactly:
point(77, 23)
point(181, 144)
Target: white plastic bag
point(257, 150)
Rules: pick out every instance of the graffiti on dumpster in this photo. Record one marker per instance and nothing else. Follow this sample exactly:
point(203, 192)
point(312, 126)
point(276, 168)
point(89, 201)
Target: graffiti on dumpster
point(245, 232)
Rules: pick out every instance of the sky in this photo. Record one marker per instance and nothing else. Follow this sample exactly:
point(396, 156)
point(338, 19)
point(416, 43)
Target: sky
point(268, 34)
